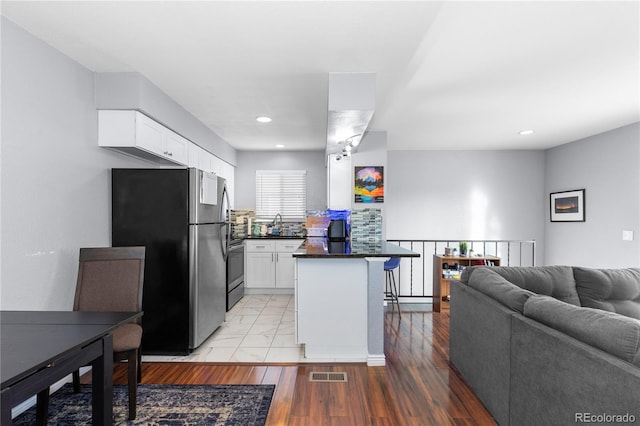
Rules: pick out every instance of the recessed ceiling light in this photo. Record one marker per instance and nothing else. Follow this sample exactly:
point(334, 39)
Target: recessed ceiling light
point(279, 146)
point(263, 119)
point(525, 132)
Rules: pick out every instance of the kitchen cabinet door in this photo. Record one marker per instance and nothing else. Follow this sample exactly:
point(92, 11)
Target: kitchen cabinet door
point(260, 270)
point(285, 263)
point(206, 162)
point(149, 134)
point(285, 270)
point(194, 155)
point(177, 148)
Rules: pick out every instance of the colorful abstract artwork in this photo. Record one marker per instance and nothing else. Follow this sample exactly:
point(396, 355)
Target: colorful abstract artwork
point(369, 184)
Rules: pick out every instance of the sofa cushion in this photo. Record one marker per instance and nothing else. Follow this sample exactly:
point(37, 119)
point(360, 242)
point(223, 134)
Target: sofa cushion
point(555, 281)
point(466, 274)
point(613, 290)
point(487, 281)
point(616, 334)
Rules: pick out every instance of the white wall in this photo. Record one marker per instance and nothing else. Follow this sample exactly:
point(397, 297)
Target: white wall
point(250, 161)
point(372, 151)
point(55, 179)
point(134, 91)
point(454, 195)
point(339, 175)
point(608, 167)
point(465, 195)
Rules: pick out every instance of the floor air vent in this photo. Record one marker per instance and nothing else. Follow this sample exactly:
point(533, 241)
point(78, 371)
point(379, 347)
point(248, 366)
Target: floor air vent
point(327, 376)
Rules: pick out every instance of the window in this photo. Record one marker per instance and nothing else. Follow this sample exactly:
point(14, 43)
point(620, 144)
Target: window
point(281, 191)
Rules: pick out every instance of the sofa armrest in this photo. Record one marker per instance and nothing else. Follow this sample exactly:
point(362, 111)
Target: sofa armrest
point(488, 281)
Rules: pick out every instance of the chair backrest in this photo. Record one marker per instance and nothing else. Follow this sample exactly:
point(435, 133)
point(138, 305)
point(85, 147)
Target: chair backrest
point(110, 279)
point(392, 263)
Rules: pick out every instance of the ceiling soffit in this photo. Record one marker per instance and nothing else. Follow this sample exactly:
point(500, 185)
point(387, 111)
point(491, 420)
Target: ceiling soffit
point(351, 104)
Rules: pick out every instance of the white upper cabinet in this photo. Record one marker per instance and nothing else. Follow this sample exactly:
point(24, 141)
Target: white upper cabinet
point(206, 162)
point(177, 148)
point(194, 155)
point(148, 134)
point(136, 134)
point(202, 159)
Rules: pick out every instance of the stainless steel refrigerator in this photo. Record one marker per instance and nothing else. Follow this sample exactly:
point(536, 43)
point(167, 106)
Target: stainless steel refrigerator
point(180, 216)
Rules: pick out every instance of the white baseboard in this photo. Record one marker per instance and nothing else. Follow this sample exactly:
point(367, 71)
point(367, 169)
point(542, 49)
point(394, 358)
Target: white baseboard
point(248, 291)
point(376, 360)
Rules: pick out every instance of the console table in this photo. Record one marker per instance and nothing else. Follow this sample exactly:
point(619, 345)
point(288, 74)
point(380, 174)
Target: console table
point(441, 281)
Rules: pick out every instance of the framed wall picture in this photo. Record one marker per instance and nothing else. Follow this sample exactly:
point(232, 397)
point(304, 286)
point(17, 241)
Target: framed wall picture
point(369, 184)
point(567, 206)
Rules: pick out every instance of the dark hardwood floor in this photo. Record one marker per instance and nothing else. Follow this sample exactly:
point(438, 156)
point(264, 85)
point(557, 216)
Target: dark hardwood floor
point(416, 387)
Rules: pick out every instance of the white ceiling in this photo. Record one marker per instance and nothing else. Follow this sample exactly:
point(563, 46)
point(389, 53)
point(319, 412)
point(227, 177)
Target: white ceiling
point(449, 75)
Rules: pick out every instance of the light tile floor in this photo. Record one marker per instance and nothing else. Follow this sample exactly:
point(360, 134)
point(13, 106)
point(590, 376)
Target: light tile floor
point(259, 328)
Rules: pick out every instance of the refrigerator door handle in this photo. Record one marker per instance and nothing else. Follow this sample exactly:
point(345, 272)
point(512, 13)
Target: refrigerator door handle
point(224, 244)
point(224, 218)
point(223, 205)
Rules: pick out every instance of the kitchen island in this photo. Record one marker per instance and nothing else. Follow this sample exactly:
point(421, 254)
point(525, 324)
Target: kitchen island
point(339, 299)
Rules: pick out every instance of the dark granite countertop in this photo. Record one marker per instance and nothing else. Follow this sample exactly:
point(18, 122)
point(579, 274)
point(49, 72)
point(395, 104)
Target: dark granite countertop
point(275, 237)
point(322, 248)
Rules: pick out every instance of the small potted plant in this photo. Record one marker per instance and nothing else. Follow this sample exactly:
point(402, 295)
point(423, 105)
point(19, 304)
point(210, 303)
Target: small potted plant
point(463, 249)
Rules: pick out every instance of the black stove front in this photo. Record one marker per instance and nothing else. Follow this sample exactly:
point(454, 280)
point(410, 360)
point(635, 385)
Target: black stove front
point(235, 273)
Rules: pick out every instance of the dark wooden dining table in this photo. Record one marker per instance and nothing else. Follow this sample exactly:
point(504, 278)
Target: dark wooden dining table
point(39, 348)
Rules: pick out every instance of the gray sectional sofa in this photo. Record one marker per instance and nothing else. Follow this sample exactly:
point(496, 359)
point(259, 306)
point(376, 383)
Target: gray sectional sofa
point(549, 345)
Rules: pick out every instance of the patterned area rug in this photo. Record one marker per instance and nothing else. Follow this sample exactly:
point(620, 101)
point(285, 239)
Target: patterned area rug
point(164, 405)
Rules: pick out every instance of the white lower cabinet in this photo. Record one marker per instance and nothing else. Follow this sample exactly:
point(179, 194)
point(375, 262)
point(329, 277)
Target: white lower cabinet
point(261, 270)
point(269, 263)
point(285, 263)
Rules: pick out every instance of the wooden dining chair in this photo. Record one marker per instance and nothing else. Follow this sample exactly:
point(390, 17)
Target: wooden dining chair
point(110, 279)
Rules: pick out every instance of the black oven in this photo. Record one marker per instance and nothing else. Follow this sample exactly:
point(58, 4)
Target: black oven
point(235, 273)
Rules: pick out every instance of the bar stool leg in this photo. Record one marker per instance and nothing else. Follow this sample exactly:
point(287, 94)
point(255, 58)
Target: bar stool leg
point(391, 290)
point(388, 289)
point(395, 293)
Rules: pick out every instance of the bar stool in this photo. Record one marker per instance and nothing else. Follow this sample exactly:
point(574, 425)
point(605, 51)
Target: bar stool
point(391, 290)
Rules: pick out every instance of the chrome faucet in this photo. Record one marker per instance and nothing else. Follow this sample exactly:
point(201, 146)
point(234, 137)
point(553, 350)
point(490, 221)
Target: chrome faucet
point(275, 221)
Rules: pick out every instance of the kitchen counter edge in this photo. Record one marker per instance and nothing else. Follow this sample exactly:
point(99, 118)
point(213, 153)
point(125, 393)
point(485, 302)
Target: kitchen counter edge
point(386, 250)
point(275, 237)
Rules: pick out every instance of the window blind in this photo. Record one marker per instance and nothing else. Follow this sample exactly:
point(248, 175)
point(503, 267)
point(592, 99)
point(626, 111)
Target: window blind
point(281, 191)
